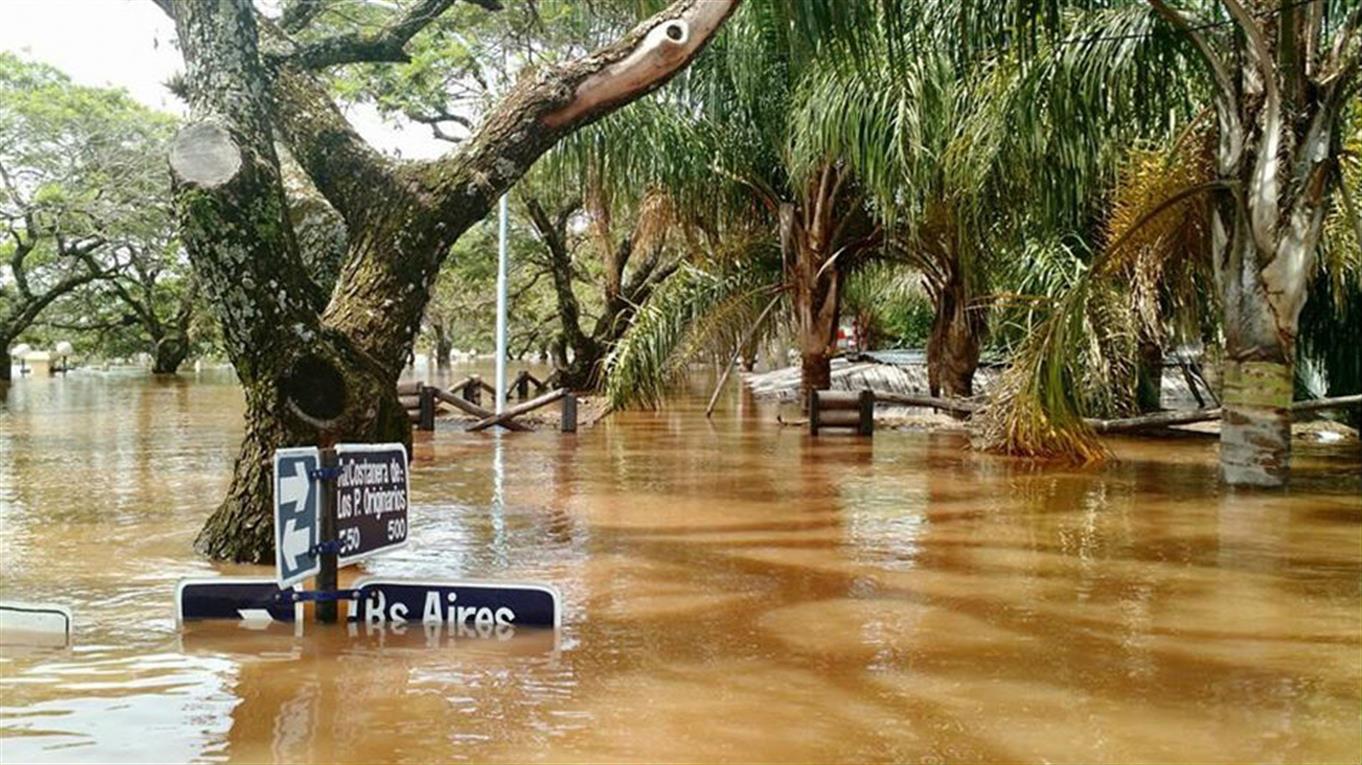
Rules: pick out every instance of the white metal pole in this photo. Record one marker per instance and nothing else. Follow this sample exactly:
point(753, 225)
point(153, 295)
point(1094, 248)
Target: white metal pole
point(501, 308)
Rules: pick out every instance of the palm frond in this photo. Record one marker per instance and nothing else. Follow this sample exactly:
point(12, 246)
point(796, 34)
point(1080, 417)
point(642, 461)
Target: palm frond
point(692, 312)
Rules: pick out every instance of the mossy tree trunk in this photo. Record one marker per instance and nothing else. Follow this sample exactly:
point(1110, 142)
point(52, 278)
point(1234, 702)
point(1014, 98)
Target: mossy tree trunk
point(1278, 114)
point(318, 367)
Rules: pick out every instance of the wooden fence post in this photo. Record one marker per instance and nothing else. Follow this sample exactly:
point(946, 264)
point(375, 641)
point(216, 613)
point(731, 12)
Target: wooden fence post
point(569, 418)
point(867, 412)
point(472, 391)
point(427, 408)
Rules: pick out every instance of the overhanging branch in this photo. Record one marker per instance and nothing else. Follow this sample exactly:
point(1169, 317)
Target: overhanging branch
point(552, 103)
point(388, 44)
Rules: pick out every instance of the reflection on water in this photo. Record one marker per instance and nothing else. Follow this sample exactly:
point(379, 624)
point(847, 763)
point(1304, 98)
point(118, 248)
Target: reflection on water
point(733, 590)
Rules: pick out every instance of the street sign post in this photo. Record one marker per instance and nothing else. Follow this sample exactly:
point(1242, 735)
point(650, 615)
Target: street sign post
point(481, 606)
point(252, 599)
point(297, 523)
point(335, 507)
point(371, 499)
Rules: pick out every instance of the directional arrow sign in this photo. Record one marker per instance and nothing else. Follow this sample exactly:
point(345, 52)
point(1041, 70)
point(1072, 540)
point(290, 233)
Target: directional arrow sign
point(296, 518)
point(472, 607)
point(246, 599)
point(371, 499)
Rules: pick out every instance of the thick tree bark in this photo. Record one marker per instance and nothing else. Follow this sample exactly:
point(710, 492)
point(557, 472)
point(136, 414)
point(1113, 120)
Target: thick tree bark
point(5, 372)
point(305, 383)
point(319, 379)
point(170, 344)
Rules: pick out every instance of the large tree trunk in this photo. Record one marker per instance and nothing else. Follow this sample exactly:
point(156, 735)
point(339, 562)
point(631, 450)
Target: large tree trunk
point(953, 345)
point(319, 371)
point(169, 353)
point(241, 529)
point(444, 348)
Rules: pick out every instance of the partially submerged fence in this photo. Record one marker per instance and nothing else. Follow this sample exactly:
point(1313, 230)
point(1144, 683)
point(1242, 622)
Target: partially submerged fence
point(423, 403)
point(855, 410)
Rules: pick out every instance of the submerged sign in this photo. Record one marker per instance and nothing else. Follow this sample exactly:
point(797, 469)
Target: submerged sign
point(246, 599)
point(296, 514)
point(34, 624)
point(371, 499)
point(484, 606)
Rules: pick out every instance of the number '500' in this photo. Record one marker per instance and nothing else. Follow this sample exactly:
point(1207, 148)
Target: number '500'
point(397, 529)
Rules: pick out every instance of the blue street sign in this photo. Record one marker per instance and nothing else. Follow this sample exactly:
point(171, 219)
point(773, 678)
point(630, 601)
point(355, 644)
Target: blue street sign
point(477, 606)
point(371, 499)
point(251, 599)
point(297, 522)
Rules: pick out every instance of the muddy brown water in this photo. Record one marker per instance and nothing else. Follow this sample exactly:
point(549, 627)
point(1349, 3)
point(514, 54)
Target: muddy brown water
point(734, 591)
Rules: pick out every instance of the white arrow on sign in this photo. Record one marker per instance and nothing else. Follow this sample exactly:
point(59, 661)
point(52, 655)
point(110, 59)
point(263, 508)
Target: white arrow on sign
point(254, 615)
point(295, 488)
point(296, 543)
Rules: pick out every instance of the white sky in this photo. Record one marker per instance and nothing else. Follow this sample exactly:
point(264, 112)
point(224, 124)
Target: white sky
point(131, 44)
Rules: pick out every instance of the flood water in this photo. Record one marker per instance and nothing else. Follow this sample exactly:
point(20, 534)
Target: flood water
point(733, 591)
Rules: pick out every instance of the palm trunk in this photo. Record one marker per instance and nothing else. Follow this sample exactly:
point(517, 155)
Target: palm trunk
point(953, 345)
point(1257, 374)
point(1149, 376)
point(817, 299)
point(1278, 121)
point(815, 367)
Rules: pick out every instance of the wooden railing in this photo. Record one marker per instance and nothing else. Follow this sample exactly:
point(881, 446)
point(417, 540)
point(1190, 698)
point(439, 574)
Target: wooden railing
point(422, 403)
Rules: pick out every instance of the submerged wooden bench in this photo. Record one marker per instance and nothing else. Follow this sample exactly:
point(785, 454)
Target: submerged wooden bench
point(854, 410)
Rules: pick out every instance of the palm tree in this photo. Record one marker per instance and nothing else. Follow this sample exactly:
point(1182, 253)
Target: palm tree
point(753, 199)
point(1277, 165)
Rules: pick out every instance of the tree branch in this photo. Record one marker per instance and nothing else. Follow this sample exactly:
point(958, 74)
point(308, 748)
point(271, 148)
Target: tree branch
point(343, 167)
point(388, 44)
point(560, 267)
point(545, 106)
point(299, 13)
